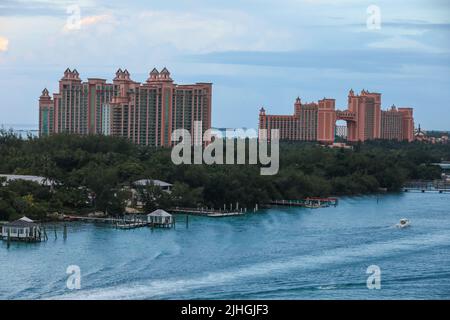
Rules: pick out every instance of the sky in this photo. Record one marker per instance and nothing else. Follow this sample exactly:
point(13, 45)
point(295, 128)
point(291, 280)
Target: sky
point(257, 53)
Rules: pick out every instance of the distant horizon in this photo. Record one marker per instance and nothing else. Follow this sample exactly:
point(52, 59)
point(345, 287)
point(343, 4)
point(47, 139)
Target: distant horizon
point(33, 126)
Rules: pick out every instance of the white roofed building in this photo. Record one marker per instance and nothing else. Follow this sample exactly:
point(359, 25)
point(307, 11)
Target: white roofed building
point(160, 218)
point(23, 229)
point(165, 186)
point(41, 180)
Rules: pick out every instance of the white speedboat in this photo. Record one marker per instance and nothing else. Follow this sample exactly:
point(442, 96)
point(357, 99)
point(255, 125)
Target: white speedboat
point(403, 223)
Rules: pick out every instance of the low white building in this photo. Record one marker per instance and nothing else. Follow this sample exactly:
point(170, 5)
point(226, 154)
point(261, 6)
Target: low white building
point(139, 186)
point(41, 180)
point(165, 186)
point(160, 218)
point(23, 229)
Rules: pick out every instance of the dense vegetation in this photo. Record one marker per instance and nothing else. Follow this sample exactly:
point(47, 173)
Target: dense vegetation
point(91, 172)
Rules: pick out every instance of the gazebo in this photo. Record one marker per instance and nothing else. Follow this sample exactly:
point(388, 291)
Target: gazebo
point(160, 218)
point(23, 229)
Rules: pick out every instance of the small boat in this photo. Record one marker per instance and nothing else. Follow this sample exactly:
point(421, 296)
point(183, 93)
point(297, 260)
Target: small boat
point(403, 223)
point(313, 205)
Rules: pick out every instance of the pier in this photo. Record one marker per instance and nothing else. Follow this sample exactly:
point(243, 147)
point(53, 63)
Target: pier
point(207, 212)
point(132, 225)
point(439, 186)
point(23, 229)
point(312, 202)
point(116, 222)
point(101, 220)
point(153, 220)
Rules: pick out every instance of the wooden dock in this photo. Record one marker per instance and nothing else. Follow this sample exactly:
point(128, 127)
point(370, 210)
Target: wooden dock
point(427, 186)
point(206, 212)
point(121, 223)
point(96, 219)
point(313, 202)
point(132, 225)
point(116, 222)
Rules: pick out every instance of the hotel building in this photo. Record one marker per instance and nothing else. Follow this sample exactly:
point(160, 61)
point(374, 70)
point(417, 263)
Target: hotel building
point(310, 122)
point(364, 117)
point(145, 113)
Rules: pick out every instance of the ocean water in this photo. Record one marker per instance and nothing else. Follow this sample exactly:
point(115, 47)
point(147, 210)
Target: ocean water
point(22, 130)
point(284, 253)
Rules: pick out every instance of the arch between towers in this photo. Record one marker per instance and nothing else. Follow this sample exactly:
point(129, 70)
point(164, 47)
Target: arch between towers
point(350, 120)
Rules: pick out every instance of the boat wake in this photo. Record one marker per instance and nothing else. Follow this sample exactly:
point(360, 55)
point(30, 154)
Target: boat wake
point(330, 287)
point(156, 289)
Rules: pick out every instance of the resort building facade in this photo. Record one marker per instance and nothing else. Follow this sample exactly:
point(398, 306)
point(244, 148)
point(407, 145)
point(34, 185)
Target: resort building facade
point(310, 122)
point(145, 113)
point(364, 117)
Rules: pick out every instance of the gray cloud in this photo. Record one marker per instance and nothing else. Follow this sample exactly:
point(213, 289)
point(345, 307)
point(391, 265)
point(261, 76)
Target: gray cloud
point(356, 60)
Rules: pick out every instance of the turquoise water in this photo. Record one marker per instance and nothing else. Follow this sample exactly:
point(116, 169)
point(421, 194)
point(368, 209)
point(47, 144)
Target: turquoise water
point(274, 254)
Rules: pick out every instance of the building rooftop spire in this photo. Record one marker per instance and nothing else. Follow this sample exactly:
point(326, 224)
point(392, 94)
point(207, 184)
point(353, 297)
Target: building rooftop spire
point(122, 75)
point(71, 75)
point(45, 97)
point(164, 75)
point(153, 75)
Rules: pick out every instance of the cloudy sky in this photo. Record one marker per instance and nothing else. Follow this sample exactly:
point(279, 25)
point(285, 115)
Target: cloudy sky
point(256, 52)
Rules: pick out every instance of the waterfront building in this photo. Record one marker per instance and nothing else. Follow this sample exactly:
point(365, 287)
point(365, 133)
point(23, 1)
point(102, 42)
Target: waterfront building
point(364, 117)
point(160, 218)
point(391, 124)
point(310, 122)
point(23, 229)
point(397, 124)
point(145, 113)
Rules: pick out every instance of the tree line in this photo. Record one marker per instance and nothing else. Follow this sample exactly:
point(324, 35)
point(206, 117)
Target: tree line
point(93, 173)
